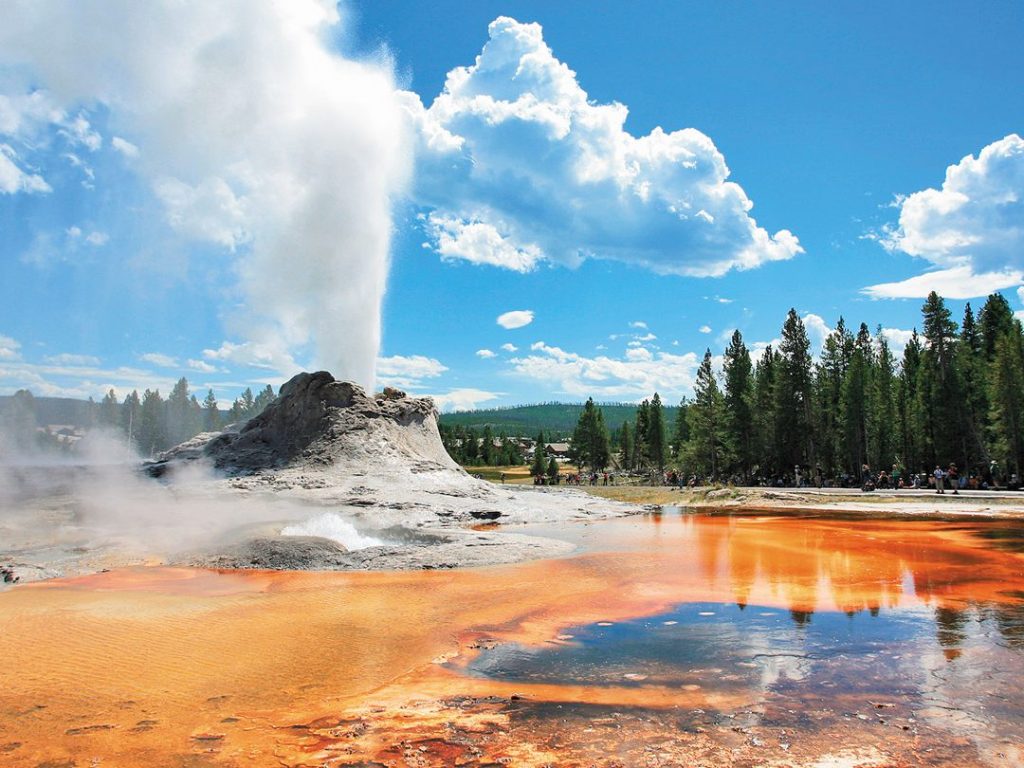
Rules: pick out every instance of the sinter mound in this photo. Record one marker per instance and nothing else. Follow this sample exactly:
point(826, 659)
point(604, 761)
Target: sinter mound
point(378, 458)
point(319, 421)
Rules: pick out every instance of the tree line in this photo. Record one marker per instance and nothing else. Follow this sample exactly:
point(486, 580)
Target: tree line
point(150, 423)
point(471, 448)
point(955, 396)
point(153, 424)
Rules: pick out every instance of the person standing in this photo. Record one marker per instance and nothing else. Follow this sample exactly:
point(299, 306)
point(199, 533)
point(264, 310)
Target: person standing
point(954, 479)
point(939, 475)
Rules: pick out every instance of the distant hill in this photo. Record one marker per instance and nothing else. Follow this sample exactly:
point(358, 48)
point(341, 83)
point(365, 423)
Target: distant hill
point(555, 419)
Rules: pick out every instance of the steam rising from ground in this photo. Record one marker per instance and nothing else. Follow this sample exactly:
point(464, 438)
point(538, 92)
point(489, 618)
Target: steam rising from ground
point(103, 506)
point(254, 135)
point(331, 525)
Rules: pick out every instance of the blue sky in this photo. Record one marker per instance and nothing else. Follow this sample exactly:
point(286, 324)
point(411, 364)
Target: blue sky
point(236, 193)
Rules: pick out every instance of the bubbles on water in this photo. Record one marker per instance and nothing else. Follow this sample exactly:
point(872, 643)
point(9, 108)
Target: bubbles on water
point(333, 526)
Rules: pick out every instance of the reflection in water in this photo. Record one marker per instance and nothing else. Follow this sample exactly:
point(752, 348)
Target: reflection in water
point(718, 639)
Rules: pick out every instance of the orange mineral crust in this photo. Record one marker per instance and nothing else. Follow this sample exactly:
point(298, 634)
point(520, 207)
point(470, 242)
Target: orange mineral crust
point(165, 666)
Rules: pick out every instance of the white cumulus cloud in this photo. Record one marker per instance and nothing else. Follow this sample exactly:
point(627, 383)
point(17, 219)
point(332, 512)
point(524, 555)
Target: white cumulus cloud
point(705, 329)
point(517, 318)
point(465, 399)
point(518, 164)
point(9, 348)
point(510, 347)
point(639, 374)
point(486, 354)
point(408, 371)
point(971, 229)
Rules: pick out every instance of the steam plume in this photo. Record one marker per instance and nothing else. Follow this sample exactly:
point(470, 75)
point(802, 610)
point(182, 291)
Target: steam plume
point(254, 135)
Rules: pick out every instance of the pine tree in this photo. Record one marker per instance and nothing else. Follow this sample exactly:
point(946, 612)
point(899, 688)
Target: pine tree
point(738, 418)
point(882, 435)
point(1007, 397)
point(938, 386)
point(211, 412)
point(130, 413)
point(972, 367)
point(176, 427)
point(793, 396)
point(909, 414)
point(708, 427)
point(539, 465)
point(765, 444)
point(589, 444)
point(471, 448)
point(681, 430)
point(656, 443)
point(828, 386)
point(152, 434)
point(110, 411)
point(248, 404)
point(640, 435)
point(854, 406)
point(487, 447)
point(263, 399)
point(553, 470)
point(994, 321)
point(626, 447)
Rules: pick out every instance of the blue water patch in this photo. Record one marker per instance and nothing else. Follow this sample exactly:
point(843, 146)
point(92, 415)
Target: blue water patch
point(712, 645)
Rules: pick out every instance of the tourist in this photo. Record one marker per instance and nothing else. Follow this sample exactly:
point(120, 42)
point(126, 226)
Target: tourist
point(954, 479)
point(938, 474)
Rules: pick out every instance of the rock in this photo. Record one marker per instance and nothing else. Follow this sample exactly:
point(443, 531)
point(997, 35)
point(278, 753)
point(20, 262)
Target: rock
point(319, 421)
point(283, 553)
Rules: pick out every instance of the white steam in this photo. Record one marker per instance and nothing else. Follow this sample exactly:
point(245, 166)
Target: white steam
point(255, 136)
point(331, 525)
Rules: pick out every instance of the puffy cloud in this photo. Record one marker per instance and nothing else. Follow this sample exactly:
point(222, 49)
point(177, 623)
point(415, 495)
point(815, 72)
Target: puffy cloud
point(814, 325)
point(705, 329)
point(466, 399)
point(971, 230)
point(510, 347)
point(254, 133)
point(269, 354)
point(14, 179)
point(898, 339)
point(954, 283)
point(202, 366)
point(518, 165)
point(638, 375)
point(125, 147)
point(9, 348)
point(480, 243)
point(78, 131)
point(517, 318)
point(485, 354)
point(159, 359)
point(94, 238)
point(408, 371)
point(638, 324)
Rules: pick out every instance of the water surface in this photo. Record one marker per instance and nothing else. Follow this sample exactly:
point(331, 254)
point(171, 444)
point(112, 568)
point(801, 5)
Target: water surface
point(668, 639)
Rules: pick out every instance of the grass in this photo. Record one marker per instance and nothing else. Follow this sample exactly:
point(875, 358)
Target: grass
point(515, 474)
